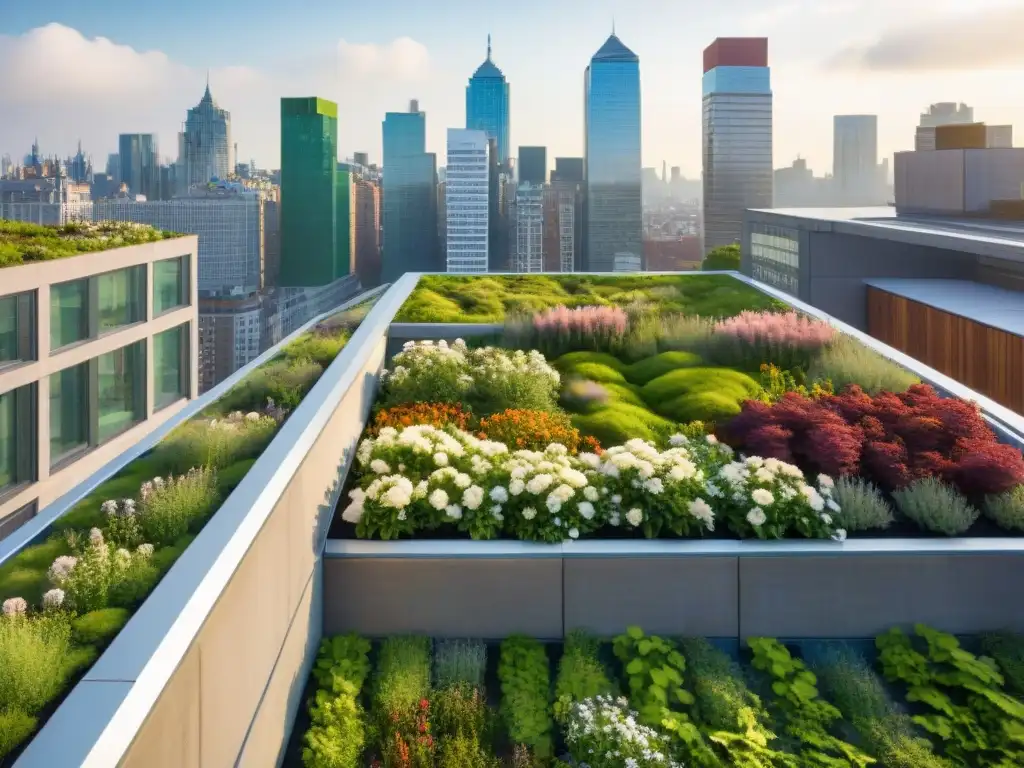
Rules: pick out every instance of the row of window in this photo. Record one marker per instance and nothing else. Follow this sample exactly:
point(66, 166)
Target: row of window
point(91, 306)
point(90, 403)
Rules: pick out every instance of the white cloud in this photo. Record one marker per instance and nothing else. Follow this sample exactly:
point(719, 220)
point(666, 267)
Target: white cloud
point(61, 86)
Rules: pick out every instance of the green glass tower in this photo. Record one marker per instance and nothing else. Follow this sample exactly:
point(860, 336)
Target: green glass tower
point(315, 212)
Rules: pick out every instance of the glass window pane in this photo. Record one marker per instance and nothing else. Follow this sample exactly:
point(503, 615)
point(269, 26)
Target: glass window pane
point(69, 413)
point(121, 297)
point(69, 313)
point(9, 348)
point(121, 387)
point(8, 441)
point(170, 372)
point(169, 284)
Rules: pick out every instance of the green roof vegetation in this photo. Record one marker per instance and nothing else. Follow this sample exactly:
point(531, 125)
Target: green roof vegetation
point(466, 299)
point(23, 243)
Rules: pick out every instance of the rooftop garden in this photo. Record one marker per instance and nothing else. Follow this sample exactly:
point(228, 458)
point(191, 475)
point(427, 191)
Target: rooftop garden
point(23, 243)
point(917, 700)
point(745, 420)
point(66, 598)
point(456, 299)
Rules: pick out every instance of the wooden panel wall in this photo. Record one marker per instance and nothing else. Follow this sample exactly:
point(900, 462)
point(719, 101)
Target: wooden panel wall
point(983, 358)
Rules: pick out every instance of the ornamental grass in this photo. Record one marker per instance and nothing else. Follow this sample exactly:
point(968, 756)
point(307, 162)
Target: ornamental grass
point(789, 340)
point(560, 329)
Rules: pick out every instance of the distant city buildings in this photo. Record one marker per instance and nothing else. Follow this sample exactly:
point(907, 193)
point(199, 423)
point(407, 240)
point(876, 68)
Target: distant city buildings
point(467, 201)
point(367, 229)
point(858, 179)
point(139, 165)
point(612, 157)
point(943, 113)
point(529, 223)
point(533, 165)
point(737, 135)
point(206, 151)
point(487, 104)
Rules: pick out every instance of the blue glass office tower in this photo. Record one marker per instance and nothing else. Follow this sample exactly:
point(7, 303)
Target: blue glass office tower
point(612, 159)
point(410, 197)
point(487, 104)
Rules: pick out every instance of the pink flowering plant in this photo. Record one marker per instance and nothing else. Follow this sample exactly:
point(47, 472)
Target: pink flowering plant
point(771, 499)
point(560, 329)
point(788, 340)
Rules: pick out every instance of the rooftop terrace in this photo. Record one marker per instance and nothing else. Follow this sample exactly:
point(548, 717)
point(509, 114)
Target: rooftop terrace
point(612, 466)
point(22, 243)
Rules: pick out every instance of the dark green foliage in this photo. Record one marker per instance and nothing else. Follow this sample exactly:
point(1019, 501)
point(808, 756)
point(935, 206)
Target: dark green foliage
point(581, 675)
point(98, 627)
point(229, 478)
point(459, 662)
point(526, 693)
point(1007, 648)
point(24, 575)
point(165, 557)
point(725, 257)
point(15, 728)
point(140, 580)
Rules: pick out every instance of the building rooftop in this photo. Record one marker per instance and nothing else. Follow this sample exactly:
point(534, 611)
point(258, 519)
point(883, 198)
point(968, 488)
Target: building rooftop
point(990, 237)
point(987, 304)
point(21, 242)
point(614, 50)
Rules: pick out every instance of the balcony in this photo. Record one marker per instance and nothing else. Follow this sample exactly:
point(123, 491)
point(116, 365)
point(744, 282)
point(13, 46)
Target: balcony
point(211, 669)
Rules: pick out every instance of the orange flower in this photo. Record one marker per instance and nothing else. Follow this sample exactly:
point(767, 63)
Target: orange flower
point(434, 414)
point(534, 430)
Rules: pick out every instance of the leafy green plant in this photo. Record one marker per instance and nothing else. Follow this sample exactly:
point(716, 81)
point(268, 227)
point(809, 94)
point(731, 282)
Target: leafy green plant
point(1007, 648)
point(459, 661)
point(885, 729)
point(403, 674)
point(463, 752)
point(337, 732)
point(847, 361)
point(936, 506)
point(581, 675)
point(172, 508)
point(862, 506)
point(807, 718)
point(318, 347)
point(968, 711)
point(525, 677)
point(725, 257)
point(344, 656)
point(1006, 509)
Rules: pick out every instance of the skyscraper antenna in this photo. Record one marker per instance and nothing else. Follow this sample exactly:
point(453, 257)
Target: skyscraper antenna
point(613, 25)
point(488, 46)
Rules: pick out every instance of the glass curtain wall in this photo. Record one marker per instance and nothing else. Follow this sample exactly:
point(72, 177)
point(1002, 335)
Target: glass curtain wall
point(170, 284)
point(69, 412)
point(17, 328)
point(120, 387)
point(170, 370)
point(121, 298)
point(69, 313)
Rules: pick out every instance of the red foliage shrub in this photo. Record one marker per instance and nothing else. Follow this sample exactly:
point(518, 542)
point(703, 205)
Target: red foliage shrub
point(892, 439)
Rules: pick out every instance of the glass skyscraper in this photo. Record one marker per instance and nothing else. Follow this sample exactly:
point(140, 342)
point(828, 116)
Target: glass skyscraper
point(208, 152)
point(487, 104)
point(737, 136)
point(314, 222)
point(614, 222)
point(409, 188)
point(139, 164)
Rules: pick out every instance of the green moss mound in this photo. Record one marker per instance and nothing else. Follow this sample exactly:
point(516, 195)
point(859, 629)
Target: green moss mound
point(602, 374)
point(701, 406)
point(99, 626)
point(625, 393)
point(618, 422)
point(651, 368)
point(571, 360)
point(699, 394)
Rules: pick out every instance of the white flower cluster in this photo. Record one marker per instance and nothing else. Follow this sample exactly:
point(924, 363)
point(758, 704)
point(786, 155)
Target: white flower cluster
point(15, 606)
point(495, 363)
point(553, 493)
point(602, 732)
point(417, 355)
point(771, 497)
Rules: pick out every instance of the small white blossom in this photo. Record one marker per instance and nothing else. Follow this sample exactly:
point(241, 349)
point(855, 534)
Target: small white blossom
point(380, 467)
point(53, 598)
point(454, 511)
point(15, 606)
point(762, 497)
point(529, 513)
point(756, 517)
point(635, 517)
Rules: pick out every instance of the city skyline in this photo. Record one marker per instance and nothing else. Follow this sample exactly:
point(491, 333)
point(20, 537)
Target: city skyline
point(852, 57)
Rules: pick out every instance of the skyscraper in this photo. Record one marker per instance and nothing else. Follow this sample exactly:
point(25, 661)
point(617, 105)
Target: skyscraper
point(533, 165)
point(612, 157)
point(529, 242)
point(943, 113)
point(856, 175)
point(467, 201)
point(737, 135)
point(367, 230)
point(487, 104)
point(206, 143)
point(410, 196)
point(139, 164)
point(314, 237)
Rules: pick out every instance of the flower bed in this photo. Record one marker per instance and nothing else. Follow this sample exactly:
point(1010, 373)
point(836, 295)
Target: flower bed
point(637, 700)
point(66, 598)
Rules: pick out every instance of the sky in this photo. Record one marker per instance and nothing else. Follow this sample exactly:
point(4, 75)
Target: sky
point(73, 70)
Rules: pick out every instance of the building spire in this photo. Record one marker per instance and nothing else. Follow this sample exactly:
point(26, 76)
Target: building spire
point(488, 46)
point(613, 26)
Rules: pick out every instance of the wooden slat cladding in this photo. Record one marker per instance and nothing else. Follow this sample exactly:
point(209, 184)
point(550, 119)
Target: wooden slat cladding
point(979, 356)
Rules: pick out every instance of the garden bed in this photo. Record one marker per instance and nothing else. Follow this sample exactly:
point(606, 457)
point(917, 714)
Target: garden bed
point(912, 698)
point(65, 598)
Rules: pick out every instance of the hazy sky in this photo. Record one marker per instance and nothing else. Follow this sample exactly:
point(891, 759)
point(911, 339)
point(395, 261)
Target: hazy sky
point(71, 69)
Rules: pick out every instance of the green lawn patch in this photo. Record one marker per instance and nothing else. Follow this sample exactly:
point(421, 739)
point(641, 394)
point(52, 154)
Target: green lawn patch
point(650, 368)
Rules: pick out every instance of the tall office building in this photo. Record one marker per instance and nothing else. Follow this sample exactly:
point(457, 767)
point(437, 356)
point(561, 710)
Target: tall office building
point(410, 197)
point(467, 200)
point(533, 165)
point(568, 169)
point(612, 157)
point(367, 231)
point(315, 224)
point(737, 135)
point(857, 177)
point(139, 165)
point(943, 113)
point(529, 222)
point(206, 148)
point(487, 99)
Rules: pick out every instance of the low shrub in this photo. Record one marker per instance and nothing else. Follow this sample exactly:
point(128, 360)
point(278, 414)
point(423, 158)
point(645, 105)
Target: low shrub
point(403, 676)
point(342, 656)
point(86, 580)
point(569, 361)
point(97, 627)
point(1006, 509)
point(281, 381)
point(34, 660)
point(534, 430)
point(845, 361)
point(337, 732)
point(701, 406)
point(409, 414)
point(320, 347)
point(460, 710)
point(525, 679)
point(229, 478)
point(602, 374)
point(172, 507)
point(15, 727)
point(789, 340)
point(463, 752)
point(459, 662)
point(699, 394)
point(936, 506)
point(581, 675)
point(216, 443)
point(1007, 648)
point(862, 505)
point(618, 422)
point(643, 371)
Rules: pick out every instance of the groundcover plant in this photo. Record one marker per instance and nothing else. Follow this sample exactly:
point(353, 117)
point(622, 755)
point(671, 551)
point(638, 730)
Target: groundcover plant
point(66, 598)
point(647, 700)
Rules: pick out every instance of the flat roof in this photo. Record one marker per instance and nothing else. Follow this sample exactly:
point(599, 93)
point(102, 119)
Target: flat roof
point(996, 307)
point(987, 237)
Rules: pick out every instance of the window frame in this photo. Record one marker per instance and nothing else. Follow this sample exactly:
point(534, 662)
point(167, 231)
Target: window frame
point(26, 303)
point(92, 306)
point(184, 367)
point(26, 433)
point(184, 285)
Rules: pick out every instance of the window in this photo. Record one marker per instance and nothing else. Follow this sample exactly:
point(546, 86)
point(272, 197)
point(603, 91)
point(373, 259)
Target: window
point(121, 388)
point(121, 298)
point(18, 518)
point(69, 412)
point(69, 313)
point(170, 284)
point(17, 328)
point(17, 437)
point(170, 366)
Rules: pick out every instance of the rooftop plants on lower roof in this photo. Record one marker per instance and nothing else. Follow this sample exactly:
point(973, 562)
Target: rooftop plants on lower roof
point(458, 299)
point(21, 242)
